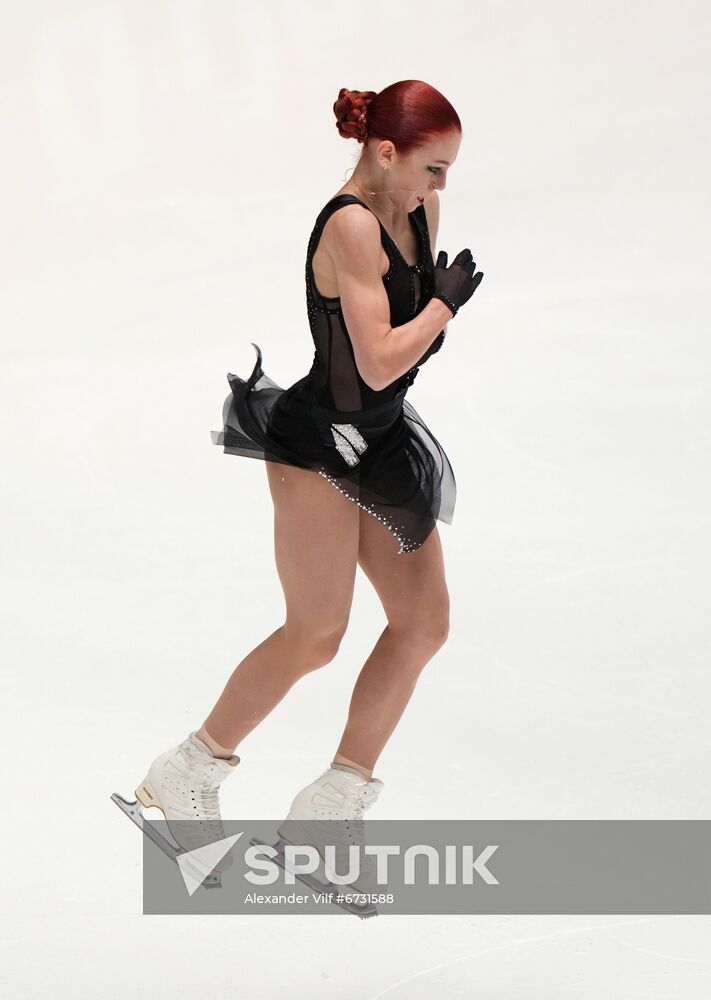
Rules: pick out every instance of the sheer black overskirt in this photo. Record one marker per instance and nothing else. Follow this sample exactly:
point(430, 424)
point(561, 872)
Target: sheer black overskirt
point(383, 458)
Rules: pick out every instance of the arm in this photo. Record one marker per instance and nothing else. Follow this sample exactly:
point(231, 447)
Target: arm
point(432, 215)
point(382, 353)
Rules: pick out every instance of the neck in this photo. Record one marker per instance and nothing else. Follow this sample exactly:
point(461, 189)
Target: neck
point(369, 187)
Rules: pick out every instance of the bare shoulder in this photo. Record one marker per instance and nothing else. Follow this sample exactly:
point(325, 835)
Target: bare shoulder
point(354, 233)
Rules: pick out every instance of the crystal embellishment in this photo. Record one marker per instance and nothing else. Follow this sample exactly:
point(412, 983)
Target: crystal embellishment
point(405, 545)
point(349, 441)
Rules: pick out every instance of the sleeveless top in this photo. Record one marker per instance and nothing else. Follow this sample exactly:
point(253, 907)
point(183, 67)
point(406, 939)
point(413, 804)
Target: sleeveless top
point(334, 375)
point(372, 446)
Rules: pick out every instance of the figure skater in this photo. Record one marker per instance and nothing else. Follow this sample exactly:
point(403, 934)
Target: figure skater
point(355, 475)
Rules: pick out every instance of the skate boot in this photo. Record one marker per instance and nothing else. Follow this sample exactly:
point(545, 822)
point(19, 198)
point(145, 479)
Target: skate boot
point(330, 811)
point(183, 783)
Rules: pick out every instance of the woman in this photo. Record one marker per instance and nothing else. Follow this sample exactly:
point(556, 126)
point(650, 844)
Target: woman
point(378, 307)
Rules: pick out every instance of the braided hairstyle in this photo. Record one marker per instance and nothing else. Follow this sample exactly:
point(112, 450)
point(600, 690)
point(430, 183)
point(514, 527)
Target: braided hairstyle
point(350, 112)
point(410, 113)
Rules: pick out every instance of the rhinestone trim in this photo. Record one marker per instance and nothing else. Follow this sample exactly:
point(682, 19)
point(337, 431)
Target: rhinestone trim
point(349, 440)
point(405, 546)
point(447, 301)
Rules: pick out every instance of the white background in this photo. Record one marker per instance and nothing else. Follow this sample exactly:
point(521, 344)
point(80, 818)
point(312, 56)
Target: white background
point(162, 166)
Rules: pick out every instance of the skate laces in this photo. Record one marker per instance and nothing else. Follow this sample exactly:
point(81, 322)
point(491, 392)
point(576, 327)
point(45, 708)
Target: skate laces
point(210, 802)
point(205, 777)
point(361, 798)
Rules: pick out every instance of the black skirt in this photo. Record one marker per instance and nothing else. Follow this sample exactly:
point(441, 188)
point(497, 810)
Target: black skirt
point(384, 458)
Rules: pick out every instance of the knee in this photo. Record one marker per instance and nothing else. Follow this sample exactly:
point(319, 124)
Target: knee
point(427, 626)
point(435, 631)
point(325, 647)
point(313, 646)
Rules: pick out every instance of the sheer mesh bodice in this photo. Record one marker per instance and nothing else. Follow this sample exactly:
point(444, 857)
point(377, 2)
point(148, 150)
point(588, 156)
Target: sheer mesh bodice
point(409, 287)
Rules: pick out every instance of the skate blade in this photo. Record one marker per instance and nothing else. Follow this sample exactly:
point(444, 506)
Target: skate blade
point(134, 811)
point(146, 796)
point(362, 910)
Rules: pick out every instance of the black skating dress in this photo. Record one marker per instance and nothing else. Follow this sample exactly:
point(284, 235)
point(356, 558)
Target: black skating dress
point(370, 445)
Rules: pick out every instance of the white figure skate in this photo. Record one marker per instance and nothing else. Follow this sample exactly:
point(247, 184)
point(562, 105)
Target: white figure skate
point(329, 811)
point(183, 783)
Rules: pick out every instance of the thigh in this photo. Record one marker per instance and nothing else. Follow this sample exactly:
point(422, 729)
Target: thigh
point(411, 586)
point(316, 548)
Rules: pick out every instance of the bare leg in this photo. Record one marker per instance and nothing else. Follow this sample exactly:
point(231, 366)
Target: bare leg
point(259, 683)
point(414, 595)
point(316, 550)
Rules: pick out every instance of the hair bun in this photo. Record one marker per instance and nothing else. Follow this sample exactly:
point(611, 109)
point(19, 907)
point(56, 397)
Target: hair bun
point(350, 110)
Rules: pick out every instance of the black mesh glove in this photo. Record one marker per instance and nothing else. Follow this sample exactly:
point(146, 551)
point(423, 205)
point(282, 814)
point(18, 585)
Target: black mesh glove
point(455, 284)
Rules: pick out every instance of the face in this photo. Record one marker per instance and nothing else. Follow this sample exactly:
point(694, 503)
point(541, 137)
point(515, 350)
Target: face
point(413, 177)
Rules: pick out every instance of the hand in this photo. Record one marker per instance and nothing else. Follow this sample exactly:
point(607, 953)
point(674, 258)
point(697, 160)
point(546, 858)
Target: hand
point(455, 284)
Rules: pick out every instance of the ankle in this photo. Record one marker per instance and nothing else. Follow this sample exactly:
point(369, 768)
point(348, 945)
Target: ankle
point(365, 771)
point(216, 749)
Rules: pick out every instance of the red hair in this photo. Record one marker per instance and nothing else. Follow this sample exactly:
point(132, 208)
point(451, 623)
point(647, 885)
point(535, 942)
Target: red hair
point(410, 113)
